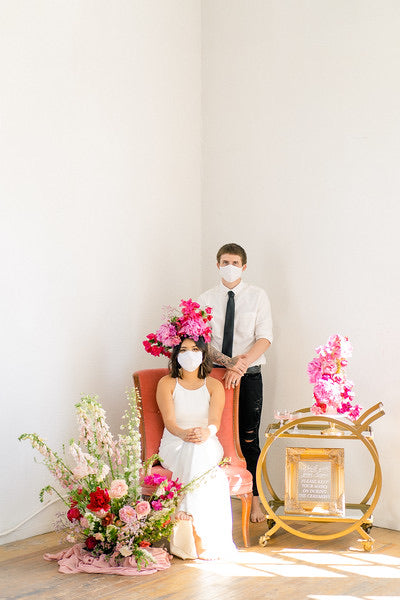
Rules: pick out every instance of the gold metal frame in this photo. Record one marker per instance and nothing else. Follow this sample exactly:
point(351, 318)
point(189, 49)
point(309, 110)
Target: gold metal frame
point(308, 426)
point(314, 481)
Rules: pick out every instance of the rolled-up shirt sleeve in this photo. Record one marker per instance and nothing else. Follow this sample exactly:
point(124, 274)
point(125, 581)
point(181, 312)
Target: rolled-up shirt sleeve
point(263, 329)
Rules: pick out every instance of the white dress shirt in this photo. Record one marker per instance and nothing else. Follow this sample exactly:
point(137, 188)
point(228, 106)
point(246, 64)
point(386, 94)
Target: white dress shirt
point(253, 320)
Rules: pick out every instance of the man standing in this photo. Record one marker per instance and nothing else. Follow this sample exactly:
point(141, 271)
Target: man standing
point(242, 329)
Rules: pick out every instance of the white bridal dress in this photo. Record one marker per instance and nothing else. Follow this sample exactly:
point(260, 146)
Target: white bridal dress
point(209, 503)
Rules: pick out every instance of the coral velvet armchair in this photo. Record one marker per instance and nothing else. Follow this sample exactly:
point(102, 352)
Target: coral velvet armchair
point(151, 429)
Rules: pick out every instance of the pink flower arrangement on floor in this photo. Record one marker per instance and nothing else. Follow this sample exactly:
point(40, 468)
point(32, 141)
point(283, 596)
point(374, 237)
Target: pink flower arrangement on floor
point(193, 322)
point(333, 392)
point(106, 512)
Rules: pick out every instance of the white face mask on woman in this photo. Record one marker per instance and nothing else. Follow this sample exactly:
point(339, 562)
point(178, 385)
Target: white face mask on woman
point(230, 273)
point(189, 360)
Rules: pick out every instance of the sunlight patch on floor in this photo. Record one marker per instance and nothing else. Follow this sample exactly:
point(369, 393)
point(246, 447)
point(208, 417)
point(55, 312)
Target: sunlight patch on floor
point(378, 559)
point(373, 571)
point(295, 563)
point(301, 571)
point(228, 569)
point(324, 597)
point(324, 558)
point(258, 558)
point(382, 597)
point(262, 565)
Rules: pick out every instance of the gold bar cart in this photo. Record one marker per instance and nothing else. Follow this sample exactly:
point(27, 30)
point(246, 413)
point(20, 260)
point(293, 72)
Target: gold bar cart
point(306, 427)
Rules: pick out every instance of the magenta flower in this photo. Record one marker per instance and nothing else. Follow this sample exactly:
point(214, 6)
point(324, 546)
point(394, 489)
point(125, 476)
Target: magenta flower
point(154, 479)
point(327, 371)
point(157, 505)
point(157, 478)
point(193, 323)
point(188, 306)
point(344, 408)
point(192, 328)
point(354, 413)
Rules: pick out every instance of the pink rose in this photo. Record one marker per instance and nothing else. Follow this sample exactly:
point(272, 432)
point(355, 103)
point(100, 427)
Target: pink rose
point(118, 488)
point(128, 514)
point(142, 509)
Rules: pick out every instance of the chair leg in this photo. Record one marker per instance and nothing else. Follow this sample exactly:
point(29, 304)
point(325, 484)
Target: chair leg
point(246, 508)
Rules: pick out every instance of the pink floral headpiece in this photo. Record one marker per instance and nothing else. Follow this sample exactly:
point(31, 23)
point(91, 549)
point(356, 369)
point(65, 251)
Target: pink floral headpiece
point(333, 392)
point(193, 322)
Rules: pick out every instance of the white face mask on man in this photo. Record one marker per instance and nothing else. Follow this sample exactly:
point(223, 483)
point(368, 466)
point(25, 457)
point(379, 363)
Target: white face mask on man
point(230, 273)
point(189, 360)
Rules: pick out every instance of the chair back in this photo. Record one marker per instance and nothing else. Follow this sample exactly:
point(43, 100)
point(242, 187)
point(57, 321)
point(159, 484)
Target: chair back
point(151, 423)
point(228, 433)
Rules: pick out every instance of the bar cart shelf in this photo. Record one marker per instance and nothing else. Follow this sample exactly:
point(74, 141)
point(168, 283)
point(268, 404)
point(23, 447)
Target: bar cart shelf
point(306, 426)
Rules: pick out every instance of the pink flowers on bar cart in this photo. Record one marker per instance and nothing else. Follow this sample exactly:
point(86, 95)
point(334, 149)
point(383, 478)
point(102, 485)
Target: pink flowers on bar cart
point(193, 322)
point(333, 392)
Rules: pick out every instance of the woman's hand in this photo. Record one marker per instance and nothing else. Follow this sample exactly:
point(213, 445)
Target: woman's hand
point(196, 435)
point(231, 379)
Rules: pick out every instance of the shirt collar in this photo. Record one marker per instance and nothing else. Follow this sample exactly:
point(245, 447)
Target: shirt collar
point(236, 289)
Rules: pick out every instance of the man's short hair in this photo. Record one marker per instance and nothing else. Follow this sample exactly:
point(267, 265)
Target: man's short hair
point(232, 249)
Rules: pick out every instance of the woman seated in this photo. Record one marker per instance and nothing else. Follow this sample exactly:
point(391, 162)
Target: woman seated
point(191, 404)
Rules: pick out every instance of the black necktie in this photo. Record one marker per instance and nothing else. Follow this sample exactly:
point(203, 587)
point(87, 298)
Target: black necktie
point(227, 342)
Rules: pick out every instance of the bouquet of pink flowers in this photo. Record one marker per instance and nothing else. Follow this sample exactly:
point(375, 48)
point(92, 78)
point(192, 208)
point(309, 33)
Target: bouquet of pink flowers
point(193, 322)
point(333, 392)
point(106, 512)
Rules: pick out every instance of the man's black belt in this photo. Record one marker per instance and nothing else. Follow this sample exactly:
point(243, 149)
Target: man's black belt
point(250, 370)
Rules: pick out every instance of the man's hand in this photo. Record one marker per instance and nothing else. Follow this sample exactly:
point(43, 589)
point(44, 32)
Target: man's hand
point(241, 364)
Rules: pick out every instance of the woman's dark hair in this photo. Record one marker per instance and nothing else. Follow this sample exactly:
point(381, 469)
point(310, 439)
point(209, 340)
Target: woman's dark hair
point(203, 370)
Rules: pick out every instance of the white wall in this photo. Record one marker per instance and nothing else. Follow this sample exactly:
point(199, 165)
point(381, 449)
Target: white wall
point(100, 134)
point(301, 141)
point(99, 151)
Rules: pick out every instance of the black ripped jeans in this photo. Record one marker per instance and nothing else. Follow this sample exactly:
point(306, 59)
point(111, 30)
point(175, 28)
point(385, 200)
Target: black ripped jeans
point(250, 406)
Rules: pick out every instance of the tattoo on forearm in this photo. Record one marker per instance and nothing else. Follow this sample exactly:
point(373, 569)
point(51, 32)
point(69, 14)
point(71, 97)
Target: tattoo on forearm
point(222, 359)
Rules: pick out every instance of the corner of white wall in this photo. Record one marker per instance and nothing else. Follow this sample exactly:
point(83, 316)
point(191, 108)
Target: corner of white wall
point(100, 186)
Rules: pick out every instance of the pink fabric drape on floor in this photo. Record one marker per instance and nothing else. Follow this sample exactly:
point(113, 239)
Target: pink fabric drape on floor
point(78, 560)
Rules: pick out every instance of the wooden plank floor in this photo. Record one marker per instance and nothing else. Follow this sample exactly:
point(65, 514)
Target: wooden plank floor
point(288, 568)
